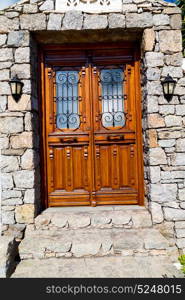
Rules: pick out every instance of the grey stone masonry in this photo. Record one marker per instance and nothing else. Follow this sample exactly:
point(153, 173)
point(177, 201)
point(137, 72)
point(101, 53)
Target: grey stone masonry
point(163, 122)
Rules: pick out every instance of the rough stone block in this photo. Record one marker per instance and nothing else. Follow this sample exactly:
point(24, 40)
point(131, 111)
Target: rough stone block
point(152, 137)
point(170, 41)
point(116, 21)
point(156, 212)
point(154, 59)
point(180, 145)
point(172, 121)
point(173, 71)
point(153, 74)
point(148, 39)
point(25, 213)
point(167, 109)
point(31, 195)
point(169, 134)
point(11, 194)
point(11, 125)
point(72, 20)
point(24, 179)
point(59, 221)
point(167, 143)
point(3, 38)
point(18, 38)
point(55, 21)
point(30, 8)
point(4, 75)
point(172, 10)
point(87, 249)
point(6, 54)
point(135, 20)
point(4, 142)
point(161, 20)
point(8, 217)
point(23, 140)
point(29, 160)
point(155, 121)
point(11, 202)
point(163, 192)
point(22, 55)
point(154, 88)
point(8, 251)
point(178, 159)
point(180, 110)
point(23, 71)
point(47, 5)
point(7, 25)
point(157, 157)
point(75, 221)
point(155, 174)
point(7, 181)
point(3, 103)
point(95, 22)
point(5, 88)
point(180, 224)
point(22, 105)
point(129, 8)
point(157, 242)
point(100, 220)
point(172, 214)
point(174, 59)
point(176, 21)
point(9, 164)
point(182, 194)
point(33, 21)
point(142, 220)
point(180, 233)
point(28, 121)
point(181, 243)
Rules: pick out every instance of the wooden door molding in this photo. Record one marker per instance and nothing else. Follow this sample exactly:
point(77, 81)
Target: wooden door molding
point(91, 165)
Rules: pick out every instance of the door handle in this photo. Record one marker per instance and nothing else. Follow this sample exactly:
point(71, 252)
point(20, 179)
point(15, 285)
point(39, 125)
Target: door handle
point(115, 137)
point(68, 140)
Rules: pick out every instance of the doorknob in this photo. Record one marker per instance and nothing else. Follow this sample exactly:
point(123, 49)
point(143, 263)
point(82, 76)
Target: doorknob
point(68, 140)
point(115, 137)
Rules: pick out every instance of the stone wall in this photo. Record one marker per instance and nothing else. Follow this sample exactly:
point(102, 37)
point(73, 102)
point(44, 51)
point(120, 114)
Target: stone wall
point(163, 122)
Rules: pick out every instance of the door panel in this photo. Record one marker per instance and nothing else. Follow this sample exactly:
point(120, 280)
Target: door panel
point(92, 135)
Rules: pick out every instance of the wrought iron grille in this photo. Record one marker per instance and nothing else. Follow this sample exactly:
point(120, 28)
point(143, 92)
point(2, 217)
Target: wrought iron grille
point(67, 99)
point(112, 97)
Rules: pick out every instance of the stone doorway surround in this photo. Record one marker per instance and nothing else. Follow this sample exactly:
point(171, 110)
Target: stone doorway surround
point(157, 25)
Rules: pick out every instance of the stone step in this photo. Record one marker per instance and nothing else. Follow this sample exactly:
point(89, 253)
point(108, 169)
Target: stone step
point(98, 267)
point(93, 217)
point(94, 242)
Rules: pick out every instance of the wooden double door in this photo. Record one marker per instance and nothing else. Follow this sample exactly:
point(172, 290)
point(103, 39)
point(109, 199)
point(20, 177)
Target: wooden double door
point(91, 114)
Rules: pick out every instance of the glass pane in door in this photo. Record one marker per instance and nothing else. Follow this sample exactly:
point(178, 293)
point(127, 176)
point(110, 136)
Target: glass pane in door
point(112, 97)
point(67, 115)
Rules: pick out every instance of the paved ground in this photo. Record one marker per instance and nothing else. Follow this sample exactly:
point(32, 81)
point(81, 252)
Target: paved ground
point(100, 267)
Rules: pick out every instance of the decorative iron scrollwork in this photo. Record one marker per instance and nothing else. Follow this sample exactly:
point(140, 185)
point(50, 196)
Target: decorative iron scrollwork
point(67, 100)
point(112, 98)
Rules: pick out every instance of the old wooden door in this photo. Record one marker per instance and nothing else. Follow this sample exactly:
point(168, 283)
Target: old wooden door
point(92, 126)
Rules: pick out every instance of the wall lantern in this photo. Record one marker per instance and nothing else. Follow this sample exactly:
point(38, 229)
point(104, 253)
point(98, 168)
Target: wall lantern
point(168, 85)
point(16, 88)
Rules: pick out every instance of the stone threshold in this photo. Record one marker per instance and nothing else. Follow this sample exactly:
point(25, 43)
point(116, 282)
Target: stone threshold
point(93, 209)
point(63, 218)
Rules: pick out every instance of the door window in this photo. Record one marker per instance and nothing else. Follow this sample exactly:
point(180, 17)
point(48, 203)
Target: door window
point(67, 115)
point(112, 97)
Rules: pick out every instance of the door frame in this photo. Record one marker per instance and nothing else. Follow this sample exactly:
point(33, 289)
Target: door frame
point(42, 94)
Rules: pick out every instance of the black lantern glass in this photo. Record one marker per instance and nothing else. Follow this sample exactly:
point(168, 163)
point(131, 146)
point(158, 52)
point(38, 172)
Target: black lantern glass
point(16, 88)
point(168, 85)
